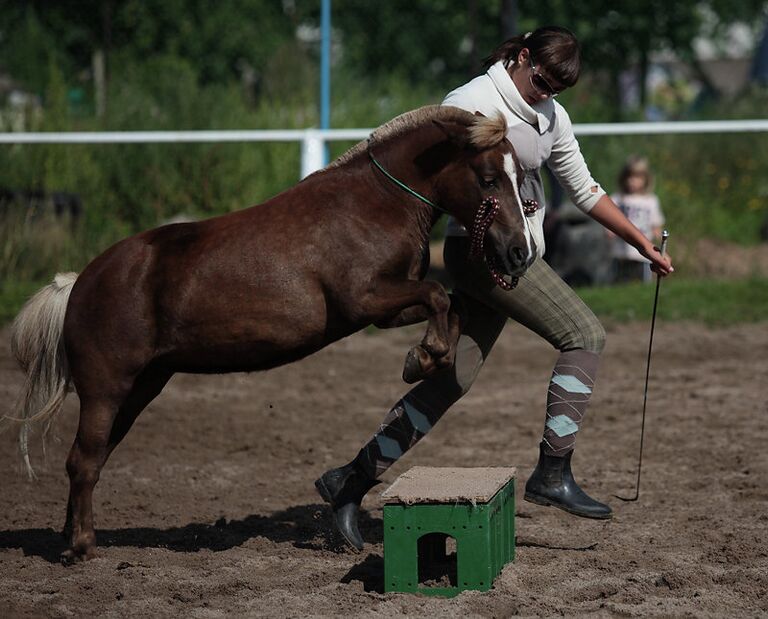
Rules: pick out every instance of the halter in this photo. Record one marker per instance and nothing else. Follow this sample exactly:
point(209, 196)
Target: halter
point(484, 217)
point(530, 207)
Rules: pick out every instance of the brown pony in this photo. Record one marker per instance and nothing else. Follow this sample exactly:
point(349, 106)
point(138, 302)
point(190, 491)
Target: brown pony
point(267, 285)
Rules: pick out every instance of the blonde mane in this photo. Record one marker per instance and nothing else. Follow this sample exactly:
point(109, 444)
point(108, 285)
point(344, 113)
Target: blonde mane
point(483, 132)
point(488, 131)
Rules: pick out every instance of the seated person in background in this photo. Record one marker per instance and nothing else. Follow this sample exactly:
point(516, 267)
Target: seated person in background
point(641, 206)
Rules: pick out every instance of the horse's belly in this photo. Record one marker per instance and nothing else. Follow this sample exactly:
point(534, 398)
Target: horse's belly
point(261, 340)
point(240, 357)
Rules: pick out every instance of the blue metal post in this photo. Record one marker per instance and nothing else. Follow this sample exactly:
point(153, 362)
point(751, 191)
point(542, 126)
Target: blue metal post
point(325, 71)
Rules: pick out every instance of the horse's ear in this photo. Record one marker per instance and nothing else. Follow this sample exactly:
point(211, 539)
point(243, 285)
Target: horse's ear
point(455, 132)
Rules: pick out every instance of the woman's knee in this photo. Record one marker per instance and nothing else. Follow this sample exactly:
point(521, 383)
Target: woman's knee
point(585, 333)
point(469, 361)
point(596, 341)
point(589, 336)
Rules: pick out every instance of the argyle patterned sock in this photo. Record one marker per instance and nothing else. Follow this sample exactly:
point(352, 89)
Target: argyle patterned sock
point(569, 392)
point(403, 426)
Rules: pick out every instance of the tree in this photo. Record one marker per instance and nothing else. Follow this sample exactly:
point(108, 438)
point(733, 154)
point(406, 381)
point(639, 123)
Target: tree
point(617, 37)
point(214, 37)
point(433, 43)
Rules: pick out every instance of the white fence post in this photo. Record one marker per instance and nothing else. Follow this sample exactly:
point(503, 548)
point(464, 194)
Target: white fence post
point(312, 145)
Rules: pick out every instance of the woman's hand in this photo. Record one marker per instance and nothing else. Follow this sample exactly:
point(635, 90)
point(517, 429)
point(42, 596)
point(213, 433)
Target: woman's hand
point(610, 216)
point(661, 265)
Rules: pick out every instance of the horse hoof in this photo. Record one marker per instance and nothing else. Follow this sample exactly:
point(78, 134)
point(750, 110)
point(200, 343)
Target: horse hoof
point(70, 557)
point(412, 370)
point(445, 362)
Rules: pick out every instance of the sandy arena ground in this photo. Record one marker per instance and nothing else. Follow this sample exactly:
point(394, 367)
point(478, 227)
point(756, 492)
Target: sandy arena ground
point(208, 508)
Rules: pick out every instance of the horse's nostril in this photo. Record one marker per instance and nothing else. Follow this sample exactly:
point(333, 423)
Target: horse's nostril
point(517, 255)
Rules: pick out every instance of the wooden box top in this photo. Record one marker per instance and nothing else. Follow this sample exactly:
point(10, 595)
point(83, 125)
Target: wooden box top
point(428, 484)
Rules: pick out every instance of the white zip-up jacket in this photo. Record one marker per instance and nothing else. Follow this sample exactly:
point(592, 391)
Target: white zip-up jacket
point(541, 134)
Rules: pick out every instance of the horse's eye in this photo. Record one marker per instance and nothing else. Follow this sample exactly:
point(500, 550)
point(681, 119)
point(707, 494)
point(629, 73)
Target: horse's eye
point(487, 183)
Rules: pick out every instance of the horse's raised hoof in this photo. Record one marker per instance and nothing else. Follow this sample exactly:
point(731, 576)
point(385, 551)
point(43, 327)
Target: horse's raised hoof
point(446, 361)
point(417, 363)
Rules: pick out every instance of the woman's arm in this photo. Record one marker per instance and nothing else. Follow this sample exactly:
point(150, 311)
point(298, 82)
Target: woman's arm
point(610, 216)
point(568, 165)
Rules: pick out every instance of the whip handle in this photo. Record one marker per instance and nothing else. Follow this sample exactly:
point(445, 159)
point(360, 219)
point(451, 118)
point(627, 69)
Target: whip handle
point(664, 239)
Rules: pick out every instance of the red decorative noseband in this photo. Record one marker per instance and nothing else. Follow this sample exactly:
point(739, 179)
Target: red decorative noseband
point(484, 217)
point(530, 207)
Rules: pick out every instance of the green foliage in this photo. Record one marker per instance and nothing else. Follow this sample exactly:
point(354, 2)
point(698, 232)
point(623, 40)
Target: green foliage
point(189, 64)
point(714, 302)
point(27, 46)
point(220, 39)
point(433, 42)
point(13, 294)
point(437, 43)
point(709, 185)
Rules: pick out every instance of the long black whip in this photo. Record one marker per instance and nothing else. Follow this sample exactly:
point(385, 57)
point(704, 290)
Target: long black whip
point(664, 238)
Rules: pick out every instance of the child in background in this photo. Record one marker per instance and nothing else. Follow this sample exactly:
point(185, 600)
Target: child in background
point(641, 206)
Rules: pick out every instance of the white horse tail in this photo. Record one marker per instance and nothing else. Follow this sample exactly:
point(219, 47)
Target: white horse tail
point(37, 344)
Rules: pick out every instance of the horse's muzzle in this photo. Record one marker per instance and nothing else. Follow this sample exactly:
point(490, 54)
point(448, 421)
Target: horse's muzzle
point(519, 259)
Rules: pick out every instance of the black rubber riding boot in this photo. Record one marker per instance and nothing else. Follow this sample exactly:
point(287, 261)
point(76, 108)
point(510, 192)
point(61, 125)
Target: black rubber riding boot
point(344, 488)
point(552, 483)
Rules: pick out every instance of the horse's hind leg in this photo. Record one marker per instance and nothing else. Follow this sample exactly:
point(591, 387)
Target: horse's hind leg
point(103, 424)
point(87, 456)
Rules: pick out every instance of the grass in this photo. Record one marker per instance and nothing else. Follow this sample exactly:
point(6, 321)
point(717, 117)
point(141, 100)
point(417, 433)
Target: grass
point(13, 294)
point(712, 302)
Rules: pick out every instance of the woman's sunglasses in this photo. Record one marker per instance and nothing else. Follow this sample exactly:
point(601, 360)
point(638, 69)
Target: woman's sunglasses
point(539, 83)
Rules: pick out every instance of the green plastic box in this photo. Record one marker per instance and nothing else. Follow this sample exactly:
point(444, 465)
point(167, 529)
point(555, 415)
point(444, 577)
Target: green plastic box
point(448, 529)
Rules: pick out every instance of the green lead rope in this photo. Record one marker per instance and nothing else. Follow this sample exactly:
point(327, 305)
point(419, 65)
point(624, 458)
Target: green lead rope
point(402, 185)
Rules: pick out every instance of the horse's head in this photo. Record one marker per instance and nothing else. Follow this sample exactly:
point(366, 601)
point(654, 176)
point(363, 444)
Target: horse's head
point(480, 187)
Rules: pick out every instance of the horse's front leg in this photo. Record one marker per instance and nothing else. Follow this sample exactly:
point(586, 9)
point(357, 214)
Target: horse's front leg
point(420, 301)
point(419, 363)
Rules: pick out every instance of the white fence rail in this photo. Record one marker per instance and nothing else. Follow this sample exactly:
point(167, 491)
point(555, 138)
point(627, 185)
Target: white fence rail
point(313, 140)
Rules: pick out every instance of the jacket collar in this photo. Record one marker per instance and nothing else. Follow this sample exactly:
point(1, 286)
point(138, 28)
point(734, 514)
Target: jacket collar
point(540, 115)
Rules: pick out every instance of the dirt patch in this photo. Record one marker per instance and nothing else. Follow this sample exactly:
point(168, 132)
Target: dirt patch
point(208, 508)
point(710, 258)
